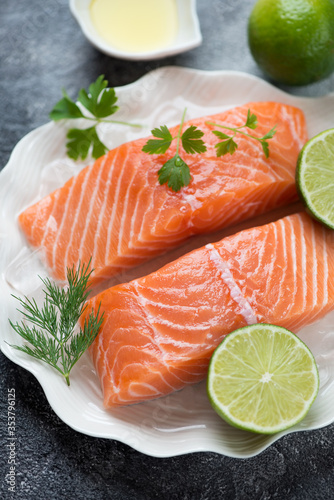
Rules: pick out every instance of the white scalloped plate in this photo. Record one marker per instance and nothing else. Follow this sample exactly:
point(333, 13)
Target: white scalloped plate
point(184, 421)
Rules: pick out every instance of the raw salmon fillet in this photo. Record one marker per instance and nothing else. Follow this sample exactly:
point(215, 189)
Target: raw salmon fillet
point(160, 331)
point(116, 212)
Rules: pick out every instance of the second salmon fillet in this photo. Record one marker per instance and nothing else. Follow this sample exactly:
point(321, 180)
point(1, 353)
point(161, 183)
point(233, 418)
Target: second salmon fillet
point(116, 213)
point(160, 331)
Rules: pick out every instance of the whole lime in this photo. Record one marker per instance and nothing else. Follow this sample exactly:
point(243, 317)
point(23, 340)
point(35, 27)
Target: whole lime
point(293, 40)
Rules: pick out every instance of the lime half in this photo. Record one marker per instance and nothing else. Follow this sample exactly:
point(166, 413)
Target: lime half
point(262, 378)
point(315, 176)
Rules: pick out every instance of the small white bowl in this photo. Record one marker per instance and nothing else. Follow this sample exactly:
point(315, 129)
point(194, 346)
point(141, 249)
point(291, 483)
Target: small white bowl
point(188, 37)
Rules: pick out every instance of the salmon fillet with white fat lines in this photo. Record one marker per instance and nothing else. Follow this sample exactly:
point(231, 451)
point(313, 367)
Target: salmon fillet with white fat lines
point(159, 331)
point(116, 212)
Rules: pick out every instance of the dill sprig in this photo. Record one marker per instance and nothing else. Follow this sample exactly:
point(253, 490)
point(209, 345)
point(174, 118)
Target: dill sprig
point(50, 330)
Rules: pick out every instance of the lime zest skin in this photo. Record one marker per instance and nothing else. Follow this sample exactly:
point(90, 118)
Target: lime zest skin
point(262, 378)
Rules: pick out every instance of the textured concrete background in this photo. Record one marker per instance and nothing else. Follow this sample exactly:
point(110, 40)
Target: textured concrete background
point(41, 51)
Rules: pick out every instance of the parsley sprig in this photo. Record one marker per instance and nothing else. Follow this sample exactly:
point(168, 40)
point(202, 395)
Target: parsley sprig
point(175, 172)
point(100, 102)
point(51, 334)
point(228, 145)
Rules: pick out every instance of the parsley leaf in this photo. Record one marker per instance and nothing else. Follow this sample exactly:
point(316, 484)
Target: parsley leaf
point(65, 109)
point(270, 134)
point(80, 141)
point(100, 102)
point(175, 172)
point(161, 144)
point(265, 147)
point(251, 121)
point(227, 145)
point(191, 140)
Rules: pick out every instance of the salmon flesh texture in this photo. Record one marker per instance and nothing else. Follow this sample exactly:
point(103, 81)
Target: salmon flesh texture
point(116, 213)
point(159, 331)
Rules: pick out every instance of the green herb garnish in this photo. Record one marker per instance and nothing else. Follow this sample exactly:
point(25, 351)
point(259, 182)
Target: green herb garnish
point(228, 145)
point(52, 334)
point(100, 102)
point(175, 172)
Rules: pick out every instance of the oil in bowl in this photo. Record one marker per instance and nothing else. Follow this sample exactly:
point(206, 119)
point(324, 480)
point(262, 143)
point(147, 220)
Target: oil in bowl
point(136, 25)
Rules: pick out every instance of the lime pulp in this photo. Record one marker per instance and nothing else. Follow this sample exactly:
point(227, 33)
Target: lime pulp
point(262, 378)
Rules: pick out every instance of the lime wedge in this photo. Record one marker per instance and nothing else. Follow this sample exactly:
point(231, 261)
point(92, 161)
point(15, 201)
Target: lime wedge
point(262, 378)
point(315, 177)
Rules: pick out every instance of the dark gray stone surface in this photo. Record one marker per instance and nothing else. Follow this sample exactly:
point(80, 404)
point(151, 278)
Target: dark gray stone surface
point(41, 51)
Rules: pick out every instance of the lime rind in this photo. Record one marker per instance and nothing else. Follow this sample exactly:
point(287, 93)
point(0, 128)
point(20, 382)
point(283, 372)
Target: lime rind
point(315, 177)
point(266, 388)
